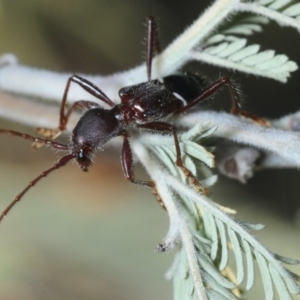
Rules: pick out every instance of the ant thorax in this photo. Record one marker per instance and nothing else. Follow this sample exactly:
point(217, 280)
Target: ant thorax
point(147, 102)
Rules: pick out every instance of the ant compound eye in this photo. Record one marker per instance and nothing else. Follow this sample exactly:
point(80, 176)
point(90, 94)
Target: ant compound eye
point(81, 157)
point(83, 160)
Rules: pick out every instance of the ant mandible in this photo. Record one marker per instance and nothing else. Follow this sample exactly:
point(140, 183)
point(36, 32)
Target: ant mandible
point(143, 105)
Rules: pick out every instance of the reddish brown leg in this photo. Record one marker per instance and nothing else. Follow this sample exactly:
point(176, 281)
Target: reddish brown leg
point(213, 88)
point(127, 165)
point(235, 106)
point(127, 162)
point(54, 133)
point(87, 86)
point(162, 126)
point(64, 116)
point(81, 104)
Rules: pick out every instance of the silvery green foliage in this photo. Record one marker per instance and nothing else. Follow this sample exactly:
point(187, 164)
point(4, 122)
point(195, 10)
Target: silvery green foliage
point(218, 37)
point(204, 232)
point(201, 229)
point(229, 47)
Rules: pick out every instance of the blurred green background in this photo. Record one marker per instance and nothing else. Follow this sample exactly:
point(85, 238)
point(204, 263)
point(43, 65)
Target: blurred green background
point(91, 236)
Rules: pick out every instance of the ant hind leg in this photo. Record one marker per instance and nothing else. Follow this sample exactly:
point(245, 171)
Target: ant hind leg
point(236, 108)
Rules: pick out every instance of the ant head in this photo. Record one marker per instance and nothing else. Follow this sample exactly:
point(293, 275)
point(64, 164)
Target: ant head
point(94, 129)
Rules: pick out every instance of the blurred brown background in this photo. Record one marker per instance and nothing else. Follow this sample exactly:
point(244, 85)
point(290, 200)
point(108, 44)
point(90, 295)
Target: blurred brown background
point(91, 236)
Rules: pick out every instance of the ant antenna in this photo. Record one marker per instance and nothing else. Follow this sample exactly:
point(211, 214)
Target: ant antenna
point(61, 162)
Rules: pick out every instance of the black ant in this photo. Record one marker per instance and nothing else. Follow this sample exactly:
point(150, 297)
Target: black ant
point(143, 105)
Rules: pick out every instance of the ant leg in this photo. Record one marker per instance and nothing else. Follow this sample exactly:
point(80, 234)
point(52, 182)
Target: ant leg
point(54, 133)
point(87, 86)
point(162, 126)
point(210, 90)
point(236, 108)
point(127, 165)
point(81, 104)
point(152, 44)
point(64, 116)
point(61, 162)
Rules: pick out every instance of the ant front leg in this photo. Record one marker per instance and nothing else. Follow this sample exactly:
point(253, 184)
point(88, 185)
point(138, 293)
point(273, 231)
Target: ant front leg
point(54, 133)
point(87, 86)
point(64, 115)
point(162, 126)
point(127, 165)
